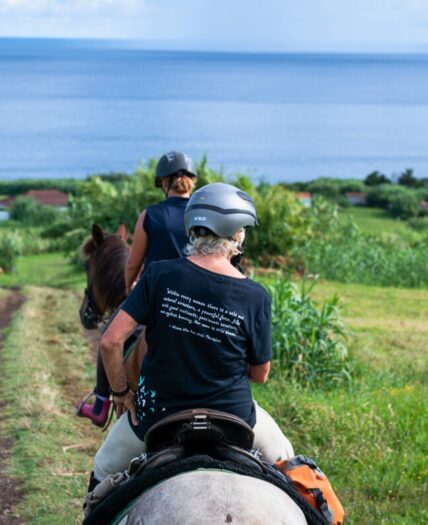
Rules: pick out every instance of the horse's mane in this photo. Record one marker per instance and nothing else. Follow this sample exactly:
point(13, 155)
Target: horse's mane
point(107, 261)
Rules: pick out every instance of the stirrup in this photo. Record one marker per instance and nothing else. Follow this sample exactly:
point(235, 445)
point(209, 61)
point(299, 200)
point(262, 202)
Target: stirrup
point(110, 416)
point(79, 404)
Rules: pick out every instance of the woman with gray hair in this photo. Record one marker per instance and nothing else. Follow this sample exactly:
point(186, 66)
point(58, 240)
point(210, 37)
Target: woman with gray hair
point(208, 334)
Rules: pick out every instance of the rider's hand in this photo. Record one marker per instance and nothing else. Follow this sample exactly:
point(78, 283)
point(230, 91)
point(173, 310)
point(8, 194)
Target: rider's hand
point(124, 403)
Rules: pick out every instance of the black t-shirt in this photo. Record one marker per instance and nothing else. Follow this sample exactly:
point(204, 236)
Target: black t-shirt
point(203, 329)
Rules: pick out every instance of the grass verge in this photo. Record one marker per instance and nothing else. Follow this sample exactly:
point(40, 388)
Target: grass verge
point(372, 438)
point(47, 366)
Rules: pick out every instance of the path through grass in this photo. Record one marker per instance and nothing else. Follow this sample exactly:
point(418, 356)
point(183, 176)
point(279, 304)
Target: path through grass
point(47, 366)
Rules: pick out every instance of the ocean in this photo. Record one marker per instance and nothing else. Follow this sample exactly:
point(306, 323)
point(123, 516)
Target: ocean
point(73, 108)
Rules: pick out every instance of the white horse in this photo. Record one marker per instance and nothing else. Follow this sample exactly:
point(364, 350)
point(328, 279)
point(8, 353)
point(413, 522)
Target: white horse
point(211, 497)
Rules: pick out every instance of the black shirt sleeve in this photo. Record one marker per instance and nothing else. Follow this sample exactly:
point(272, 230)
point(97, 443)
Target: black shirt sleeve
point(260, 351)
point(137, 304)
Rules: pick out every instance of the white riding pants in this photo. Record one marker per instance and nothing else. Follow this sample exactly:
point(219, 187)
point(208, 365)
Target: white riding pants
point(121, 444)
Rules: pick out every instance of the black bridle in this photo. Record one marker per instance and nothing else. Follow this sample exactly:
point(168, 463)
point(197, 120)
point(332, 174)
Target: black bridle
point(90, 314)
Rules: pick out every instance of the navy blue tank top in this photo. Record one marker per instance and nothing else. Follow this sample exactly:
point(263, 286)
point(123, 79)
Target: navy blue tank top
point(164, 225)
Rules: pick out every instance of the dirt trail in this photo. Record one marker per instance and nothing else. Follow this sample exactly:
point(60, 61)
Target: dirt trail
point(10, 493)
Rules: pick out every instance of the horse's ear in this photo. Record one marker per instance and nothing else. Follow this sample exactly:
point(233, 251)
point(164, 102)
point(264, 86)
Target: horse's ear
point(123, 232)
point(97, 234)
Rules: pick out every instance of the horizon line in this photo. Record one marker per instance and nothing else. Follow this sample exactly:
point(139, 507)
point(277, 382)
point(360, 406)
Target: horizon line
point(150, 45)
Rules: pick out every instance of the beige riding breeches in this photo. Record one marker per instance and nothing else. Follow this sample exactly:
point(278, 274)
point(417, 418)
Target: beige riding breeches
point(121, 444)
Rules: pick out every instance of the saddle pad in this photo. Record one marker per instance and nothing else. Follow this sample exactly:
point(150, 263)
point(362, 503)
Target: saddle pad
point(117, 500)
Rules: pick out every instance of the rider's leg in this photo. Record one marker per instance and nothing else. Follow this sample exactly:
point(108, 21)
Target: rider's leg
point(98, 411)
point(119, 447)
point(102, 386)
point(269, 438)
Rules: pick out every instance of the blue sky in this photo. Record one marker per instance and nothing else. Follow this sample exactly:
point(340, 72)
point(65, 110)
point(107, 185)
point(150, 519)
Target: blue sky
point(248, 25)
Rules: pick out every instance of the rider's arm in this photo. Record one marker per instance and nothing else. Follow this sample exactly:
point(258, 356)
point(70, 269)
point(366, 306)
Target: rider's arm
point(137, 252)
point(259, 373)
point(111, 346)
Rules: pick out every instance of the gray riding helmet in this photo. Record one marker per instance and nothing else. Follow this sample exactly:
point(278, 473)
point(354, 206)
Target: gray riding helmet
point(220, 208)
point(172, 162)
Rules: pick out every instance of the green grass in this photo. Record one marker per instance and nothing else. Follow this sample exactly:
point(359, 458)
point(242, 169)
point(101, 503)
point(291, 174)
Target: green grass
point(375, 221)
point(47, 366)
point(50, 269)
point(371, 439)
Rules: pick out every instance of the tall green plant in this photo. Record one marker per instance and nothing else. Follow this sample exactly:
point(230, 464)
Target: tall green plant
point(10, 249)
point(308, 339)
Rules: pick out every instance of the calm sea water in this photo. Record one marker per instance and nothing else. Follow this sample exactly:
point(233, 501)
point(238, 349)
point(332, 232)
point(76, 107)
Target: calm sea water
point(68, 109)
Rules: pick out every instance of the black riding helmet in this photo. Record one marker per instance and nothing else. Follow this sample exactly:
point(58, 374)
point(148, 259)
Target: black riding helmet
point(171, 163)
point(221, 209)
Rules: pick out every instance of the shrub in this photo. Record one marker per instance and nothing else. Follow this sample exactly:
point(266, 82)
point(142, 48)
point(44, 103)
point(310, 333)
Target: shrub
point(10, 249)
point(283, 222)
point(400, 201)
point(328, 188)
point(419, 224)
point(26, 210)
point(308, 340)
point(404, 206)
point(23, 210)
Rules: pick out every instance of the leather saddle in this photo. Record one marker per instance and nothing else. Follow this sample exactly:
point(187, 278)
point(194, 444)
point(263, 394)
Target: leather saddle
point(199, 424)
point(197, 431)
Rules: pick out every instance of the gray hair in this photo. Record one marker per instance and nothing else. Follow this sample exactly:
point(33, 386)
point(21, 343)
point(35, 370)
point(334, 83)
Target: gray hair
point(212, 245)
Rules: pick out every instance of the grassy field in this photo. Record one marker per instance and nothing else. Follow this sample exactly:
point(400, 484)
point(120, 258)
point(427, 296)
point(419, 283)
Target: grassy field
point(375, 220)
point(371, 438)
point(50, 269)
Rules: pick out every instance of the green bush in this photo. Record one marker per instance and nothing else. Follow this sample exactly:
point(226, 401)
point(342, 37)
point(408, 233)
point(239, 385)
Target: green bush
point(401, 201)
point(283, 221)
point(10, 249)
point(327, 188)
point(419, 224)
point(404, 206)
point(308, 340)
point(23, 210)
point(27, 211)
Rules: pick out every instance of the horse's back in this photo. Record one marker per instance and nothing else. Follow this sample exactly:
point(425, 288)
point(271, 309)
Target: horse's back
point(214, 497)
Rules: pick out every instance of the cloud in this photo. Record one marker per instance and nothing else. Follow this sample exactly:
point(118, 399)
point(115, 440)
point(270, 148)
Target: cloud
point(67, 6)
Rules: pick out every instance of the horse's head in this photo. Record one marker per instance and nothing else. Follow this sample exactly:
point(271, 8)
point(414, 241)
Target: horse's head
point(105, 259)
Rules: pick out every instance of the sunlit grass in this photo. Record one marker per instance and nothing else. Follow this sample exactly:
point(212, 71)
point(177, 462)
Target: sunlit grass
point(375, 220)
point(50, 269)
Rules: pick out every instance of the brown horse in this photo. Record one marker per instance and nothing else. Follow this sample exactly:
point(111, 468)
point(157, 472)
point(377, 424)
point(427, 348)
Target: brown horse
point(105, 260)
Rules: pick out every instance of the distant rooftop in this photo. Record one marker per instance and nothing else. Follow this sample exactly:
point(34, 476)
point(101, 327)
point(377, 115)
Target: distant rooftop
point(46, 197)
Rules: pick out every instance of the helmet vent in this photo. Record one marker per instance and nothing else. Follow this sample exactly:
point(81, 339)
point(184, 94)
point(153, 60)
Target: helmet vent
point(244, 196)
